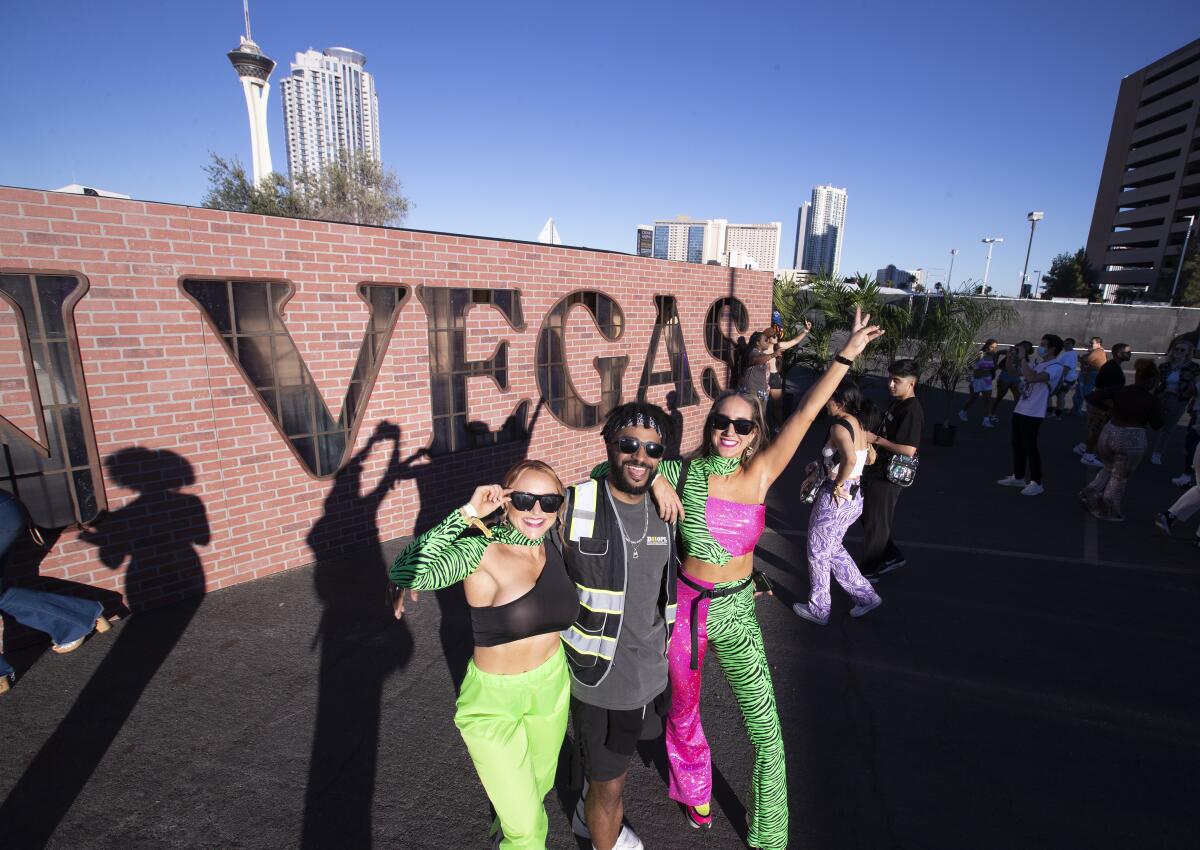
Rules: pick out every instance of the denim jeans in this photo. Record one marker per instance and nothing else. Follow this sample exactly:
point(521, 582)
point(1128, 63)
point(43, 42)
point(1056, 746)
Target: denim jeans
point(64, 618)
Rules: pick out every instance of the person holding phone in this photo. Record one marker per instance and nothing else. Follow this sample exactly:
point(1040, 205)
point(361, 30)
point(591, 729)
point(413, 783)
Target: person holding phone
point(513, 704)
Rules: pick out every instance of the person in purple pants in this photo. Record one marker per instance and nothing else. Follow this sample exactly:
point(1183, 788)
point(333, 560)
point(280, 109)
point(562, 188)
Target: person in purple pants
point(838, 504)
point(66, 619)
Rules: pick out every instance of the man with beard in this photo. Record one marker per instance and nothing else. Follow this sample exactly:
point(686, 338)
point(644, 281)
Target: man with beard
point(622, 558)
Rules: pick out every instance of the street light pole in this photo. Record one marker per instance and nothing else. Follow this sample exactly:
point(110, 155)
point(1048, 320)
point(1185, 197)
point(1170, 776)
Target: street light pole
point(950, 274)
point(1034, 217)
point(1182, 257)
point(991, 242)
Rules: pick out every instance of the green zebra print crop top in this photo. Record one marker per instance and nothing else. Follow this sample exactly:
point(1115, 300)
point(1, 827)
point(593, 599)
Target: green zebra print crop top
point(698, 542)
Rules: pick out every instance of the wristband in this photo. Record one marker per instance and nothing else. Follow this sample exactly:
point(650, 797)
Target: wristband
point(840, 359)
point(469, 515)
point(470, 511)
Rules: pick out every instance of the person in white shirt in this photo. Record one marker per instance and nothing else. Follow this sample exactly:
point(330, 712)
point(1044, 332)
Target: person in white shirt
point(1041, 381)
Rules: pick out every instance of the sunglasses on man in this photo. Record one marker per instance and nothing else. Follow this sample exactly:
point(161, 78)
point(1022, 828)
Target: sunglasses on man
point(630, 446)
point(550, 502)
point(721, 422)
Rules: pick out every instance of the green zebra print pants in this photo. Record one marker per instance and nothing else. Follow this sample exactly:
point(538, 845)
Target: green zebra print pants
point(729, 626)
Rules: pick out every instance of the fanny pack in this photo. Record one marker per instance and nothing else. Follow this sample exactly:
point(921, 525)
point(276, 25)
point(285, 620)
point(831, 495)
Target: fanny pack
point(902, 470)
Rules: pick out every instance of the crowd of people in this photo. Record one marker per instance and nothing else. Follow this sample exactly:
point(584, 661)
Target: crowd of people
point(1123, 419)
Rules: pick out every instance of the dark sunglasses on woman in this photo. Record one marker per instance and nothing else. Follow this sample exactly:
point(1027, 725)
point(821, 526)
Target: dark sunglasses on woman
point(720, 422)
point(550, 502)
point(630, 445)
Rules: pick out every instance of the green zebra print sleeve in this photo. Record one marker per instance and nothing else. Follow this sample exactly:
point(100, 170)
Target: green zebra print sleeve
point(693, 528)
point(440, 557)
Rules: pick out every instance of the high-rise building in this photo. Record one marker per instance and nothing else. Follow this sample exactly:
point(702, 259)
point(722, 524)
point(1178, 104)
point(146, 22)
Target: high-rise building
point(715, 240)
point(254, 69)
point(329, 105)
point(900, 278)
point(801, 230)
point(826, 230)
point(1150, 182)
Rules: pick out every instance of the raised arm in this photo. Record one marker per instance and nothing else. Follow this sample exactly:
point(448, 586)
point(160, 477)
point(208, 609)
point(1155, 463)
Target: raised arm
point(796, 340)
point(774, 459)
point(442, 556)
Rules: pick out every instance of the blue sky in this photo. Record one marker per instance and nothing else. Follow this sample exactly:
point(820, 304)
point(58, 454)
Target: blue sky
point(946, 122)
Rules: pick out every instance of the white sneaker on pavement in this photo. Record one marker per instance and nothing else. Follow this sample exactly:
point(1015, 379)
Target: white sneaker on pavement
point(1080, 448)
point(962, 414)
point(1090, 459)
point(1033, 489)
point(626, 840)
point(1184, 480)
point(866, 607)
point(1012, 481)
point(988, 422)
point(802, 610)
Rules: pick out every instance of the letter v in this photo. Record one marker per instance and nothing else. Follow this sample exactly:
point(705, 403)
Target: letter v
point(247, 316)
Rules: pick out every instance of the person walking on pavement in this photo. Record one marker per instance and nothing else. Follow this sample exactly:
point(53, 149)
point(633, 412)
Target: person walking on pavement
point(1041, 380)
point(775, 377)
point(1111, 374)
point(512, 707)
point(621, 556)
point(67, 619)
point(837, 506)
point(1123, 440)
point(1176, 388)
point(1185, 506)
point(899, 434)
point(982, 374)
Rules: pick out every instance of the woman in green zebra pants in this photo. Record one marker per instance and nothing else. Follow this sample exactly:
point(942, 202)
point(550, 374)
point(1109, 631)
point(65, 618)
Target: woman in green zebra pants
point(512, 708)
point(724, 487)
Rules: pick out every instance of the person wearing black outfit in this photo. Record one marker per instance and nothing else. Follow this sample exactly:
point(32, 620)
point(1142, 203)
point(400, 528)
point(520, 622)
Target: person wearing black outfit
point(899, 433)
point(622, 557)
point(1111, 374)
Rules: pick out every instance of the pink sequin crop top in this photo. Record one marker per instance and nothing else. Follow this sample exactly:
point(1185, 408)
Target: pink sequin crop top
point(735, 526)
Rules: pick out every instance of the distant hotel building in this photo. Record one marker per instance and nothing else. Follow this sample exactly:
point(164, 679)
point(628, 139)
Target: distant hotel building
point(1150, 182)
point(801, 232)
point(826, 226)
point(900, 278)
point(712, 241)
point(329, 104)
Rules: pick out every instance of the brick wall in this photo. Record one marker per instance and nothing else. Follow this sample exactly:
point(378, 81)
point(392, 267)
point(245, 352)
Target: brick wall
point(202, 490)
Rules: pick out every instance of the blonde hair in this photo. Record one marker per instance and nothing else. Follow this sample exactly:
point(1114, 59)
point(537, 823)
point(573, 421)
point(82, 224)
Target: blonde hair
point(524, 466)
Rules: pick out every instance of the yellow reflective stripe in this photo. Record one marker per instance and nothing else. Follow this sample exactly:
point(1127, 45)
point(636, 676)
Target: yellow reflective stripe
point(586, 644)
point(601, 601)
point(671, 613)
point(583, 510)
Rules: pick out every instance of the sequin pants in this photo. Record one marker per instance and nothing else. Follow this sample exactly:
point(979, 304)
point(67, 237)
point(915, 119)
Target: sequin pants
point(728, 624)
point(1121, 449)
point(827, 526)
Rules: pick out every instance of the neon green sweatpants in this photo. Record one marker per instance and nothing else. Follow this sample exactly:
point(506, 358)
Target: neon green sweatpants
point(514, 727)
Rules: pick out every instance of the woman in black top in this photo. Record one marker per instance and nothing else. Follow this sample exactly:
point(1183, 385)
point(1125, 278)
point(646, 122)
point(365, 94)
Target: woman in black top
point(900, 433)
point(512, 708)
point(1123, 440)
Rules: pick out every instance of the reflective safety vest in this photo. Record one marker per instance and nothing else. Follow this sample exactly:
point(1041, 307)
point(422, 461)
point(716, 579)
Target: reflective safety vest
point(594, 552)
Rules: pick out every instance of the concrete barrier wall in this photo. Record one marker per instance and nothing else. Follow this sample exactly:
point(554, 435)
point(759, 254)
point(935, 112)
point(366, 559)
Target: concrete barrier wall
point(1147, 329)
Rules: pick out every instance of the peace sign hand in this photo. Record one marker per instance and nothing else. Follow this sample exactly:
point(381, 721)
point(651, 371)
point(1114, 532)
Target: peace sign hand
point(862, 332)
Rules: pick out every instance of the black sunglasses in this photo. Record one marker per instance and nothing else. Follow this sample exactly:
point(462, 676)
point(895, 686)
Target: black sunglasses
point(550, 502)
point(720, 422)
point(630, 446)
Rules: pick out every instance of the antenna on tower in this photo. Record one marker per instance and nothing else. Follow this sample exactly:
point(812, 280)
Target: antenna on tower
point(246, 12)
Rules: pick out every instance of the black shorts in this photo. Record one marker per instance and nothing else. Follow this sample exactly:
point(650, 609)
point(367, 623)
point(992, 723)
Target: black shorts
point(607, 738)
point(775, 381)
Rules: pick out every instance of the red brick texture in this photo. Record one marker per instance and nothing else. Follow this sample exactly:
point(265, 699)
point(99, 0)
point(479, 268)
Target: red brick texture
point(159, 379)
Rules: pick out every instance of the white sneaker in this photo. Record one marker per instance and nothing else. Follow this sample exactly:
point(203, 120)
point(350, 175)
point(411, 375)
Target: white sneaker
point(962, 414)
point(1156, 459)
point(627, 840)
point(1090, 459)
point(1080, 449)
point(1184, 480)
point(865, 607)
point(989, 422)
point(1033, 489)
point(1012, 481)
point(802, 610)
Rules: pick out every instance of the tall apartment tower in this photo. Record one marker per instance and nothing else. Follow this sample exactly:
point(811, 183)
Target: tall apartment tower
point(1150, 182)
point(801, 231)
point(715, 240)
point(254, 69)
point(329, 105)
point(826, 230)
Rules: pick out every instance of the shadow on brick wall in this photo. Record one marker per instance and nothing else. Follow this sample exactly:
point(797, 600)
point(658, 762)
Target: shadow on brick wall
point(155, 537)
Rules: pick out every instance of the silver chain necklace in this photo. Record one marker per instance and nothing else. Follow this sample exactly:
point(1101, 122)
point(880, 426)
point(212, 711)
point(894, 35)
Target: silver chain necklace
point(645, 528)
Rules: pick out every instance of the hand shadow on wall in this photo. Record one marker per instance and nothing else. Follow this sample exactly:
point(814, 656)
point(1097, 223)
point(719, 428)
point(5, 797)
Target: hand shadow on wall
point(156, 534)
point(361, 644)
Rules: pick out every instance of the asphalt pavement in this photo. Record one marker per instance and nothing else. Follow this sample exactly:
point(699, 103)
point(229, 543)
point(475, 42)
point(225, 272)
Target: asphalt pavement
point(1029, 682)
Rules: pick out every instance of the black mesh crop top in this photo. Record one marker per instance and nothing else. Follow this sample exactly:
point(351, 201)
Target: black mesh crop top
point(550, 606)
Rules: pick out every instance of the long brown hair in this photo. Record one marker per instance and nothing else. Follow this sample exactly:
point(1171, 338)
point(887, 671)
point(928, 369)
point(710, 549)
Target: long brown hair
point(761, 437)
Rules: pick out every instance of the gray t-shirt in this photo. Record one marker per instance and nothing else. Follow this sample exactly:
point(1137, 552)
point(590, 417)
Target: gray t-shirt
point(639, 666)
